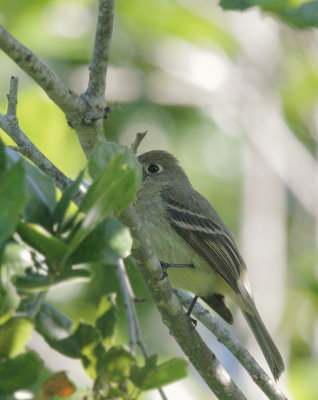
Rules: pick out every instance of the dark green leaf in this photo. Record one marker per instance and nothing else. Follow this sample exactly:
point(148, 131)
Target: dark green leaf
point(14, 335)
point(40, 186)
point(115, 365)
point(19, 372)
point(42, 197)
point(42, 241)
point(304, 16)
point(235, 4)
point(52, 324)
point(151, 376)
point(76, 273)
point(67, 196)
point(139, 375)
point(56, 328)
point(108, 242)
point(106, 321)
point(2, 157)
point(32, 283)
point(111, 191)
point(88, 340)
point(12, 198)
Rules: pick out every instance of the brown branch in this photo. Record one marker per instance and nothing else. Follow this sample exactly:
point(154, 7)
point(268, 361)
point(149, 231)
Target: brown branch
point(224, 336)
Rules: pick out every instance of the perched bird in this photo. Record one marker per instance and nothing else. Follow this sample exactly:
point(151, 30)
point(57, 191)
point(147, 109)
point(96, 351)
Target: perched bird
point(197, 251)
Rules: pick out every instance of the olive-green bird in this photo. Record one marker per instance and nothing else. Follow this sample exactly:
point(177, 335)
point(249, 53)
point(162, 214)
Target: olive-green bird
point(197, 251)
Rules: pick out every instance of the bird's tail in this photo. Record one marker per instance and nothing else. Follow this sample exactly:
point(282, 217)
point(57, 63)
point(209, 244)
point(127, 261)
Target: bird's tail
point(268, 347)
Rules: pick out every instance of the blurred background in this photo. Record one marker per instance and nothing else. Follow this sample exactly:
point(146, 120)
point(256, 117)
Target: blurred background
point(234, 96)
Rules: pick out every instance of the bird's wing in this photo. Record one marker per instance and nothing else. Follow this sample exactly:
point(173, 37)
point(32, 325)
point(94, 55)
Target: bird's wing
point(201, 227)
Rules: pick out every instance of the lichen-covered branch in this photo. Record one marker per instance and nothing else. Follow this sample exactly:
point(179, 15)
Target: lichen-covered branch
point(135, 335)
point(69, 102)
point(98, 67)
point(9, 123)
point(224, 336)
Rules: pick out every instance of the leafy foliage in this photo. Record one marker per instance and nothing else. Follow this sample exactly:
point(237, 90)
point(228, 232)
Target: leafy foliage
point(300, 14)
point(48, 242)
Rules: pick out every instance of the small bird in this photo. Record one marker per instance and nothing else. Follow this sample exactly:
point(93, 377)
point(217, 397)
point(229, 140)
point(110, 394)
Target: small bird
point(197, 251)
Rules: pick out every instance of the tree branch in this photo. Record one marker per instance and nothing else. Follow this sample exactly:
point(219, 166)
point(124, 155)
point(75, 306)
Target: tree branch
point(98, 67)
point(139, 138)
point(10, 124)
point(69, 102)
point(128, 302)
point(135, 335)
point(224, 336)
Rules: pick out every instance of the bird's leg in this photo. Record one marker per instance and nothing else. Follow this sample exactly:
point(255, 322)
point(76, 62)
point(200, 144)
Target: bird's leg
point(193, 321)
point(165, 266)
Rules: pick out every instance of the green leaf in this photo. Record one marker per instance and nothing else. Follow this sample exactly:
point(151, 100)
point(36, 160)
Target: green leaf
point(2, 157)
point(67, 196)
point(88, 340)
point(75, 273)
point(104, 153)
point(56, 328)
point(108, 242)
point(16, 259)
point(107, 317)
point(87, 337)
point(12, 198)
point(32, 283)
point(115, 365)
point(112, 191)
point(14, 335)
point(42, 197)
point(303, 16)
point(40, 186)
point(9, 302)
point(152, 376)
point(235, 4)
point(42, 241)
point(19, 372)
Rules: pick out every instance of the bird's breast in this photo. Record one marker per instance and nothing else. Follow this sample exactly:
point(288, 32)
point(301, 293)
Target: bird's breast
point(170, 248)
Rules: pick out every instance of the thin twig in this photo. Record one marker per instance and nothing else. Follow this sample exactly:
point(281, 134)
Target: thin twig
point(36, 305)
point(135, 334)
point(98, 67)
point(13, 96)
point(139, 138)
point(128, 301)
point(10, 124)
point(224, 336)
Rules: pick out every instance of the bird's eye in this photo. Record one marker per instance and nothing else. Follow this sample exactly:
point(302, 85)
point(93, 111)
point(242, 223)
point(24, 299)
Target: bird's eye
point(153, 168)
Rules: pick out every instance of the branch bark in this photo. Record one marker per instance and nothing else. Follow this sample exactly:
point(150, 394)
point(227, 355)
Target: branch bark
point(84, 113)
point(69, 102)
point(224, 336)
point(98, 68)
point(10, 124)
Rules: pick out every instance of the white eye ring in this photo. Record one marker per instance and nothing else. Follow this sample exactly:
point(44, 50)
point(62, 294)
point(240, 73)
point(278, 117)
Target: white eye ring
point(154, 168)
